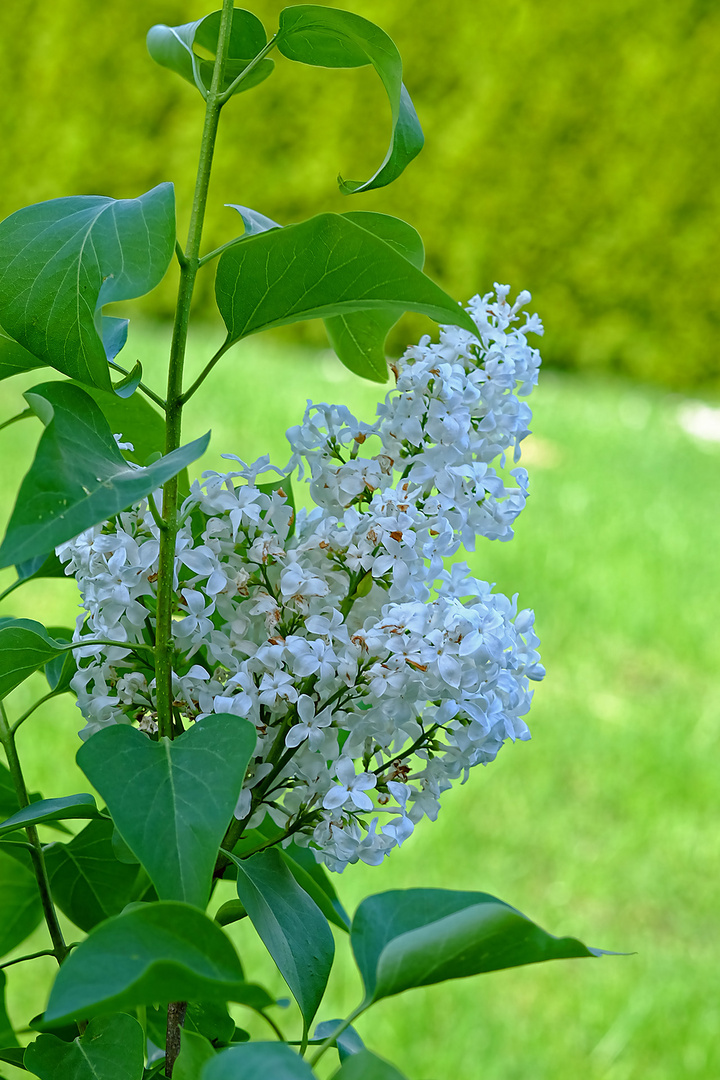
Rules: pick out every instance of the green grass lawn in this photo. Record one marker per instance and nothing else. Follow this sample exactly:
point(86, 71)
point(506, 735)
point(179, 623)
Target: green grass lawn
point(607, 824)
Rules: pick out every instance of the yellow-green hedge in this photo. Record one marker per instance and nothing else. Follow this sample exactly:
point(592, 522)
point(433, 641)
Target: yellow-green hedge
point(572, 149)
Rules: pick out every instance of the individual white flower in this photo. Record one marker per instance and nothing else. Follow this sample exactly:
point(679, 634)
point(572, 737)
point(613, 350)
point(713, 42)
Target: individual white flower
point(352, 787)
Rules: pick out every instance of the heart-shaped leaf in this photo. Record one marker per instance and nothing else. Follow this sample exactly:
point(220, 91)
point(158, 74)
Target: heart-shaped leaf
point(257, 1061)
point(416, 937)
point(60, 261)
point(25, 646)
point(364, 1065)
point(172, 801)
point(39, 813)
point(20, 908)
point(152, 953)
point(78, 477)
point(111, 1048)
point(328, 37)
point(195, 1050)
point(87, 880)
point(358, 338)
point(293, 929)
point(174, 47)
point(326, 266)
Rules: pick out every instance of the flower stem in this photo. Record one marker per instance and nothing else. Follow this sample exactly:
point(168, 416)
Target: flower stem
point(7, 740)
point(189, 266)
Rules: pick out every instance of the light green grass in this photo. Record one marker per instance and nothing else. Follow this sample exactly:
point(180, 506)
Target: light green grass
point(606, 825)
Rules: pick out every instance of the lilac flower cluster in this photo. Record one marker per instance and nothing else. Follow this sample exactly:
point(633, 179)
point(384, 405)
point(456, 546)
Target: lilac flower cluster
point(376, 669)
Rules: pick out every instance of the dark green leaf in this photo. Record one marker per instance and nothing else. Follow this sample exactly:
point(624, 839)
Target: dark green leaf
point(327, 37)
point(13, 1055)
point(359, 337)
point(111, 1048)
point(78, 477)
point(365, 1065)
point(257, 1061)
point(174, 47)
point(158, 952)
point(61, 261)
point(14, 359)
point(293, 929)
point(20, 908)
point(416, 937)
point(230, 912)
point(348, 1041)
point(314, 879)
point(39, 813)
point(88, 882)
point(172, 801)
point(195, 1050)
point(25, 646)
point(60, 670)
point(7, 1035)
point(323, 267)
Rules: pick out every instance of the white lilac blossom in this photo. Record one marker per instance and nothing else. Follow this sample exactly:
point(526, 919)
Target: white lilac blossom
point(376, 669)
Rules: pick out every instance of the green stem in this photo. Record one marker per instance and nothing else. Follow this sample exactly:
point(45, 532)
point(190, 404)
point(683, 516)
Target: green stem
point(338, 1031)
point(30, 956)
point(7, 739)
point(28, 713)
point(206, 371)
point(227, 94)
point(174, 396)
point(14, 419)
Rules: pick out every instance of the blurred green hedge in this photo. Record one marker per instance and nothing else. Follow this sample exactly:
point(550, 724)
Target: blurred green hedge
point(571, 149)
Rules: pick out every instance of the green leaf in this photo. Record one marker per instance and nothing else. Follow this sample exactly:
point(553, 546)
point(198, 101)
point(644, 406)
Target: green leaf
point(174, 47)
point(348, 1041)
point(230, 912)
point(257, 1061)
point(20, 908)
point(359, 337)
point(25, 646)
point(195, 1050)
point(172, 801)
point(79, 477)
point(14, 359)
point(326, 266)
point(253, 221)
point(416, 937)
point(158, 952)
point(87, 880)
point(39, 813)
point(114, 334)
point(327, 37)
point(314, 879)
point(365, 1065)
point(111, 1048)
point(60, 670)
point(7, 1035)
point(129, 383)
point(293, 929)
point(61, 261)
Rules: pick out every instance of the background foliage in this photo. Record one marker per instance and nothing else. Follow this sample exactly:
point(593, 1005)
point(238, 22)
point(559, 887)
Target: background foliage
point(571, 149)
